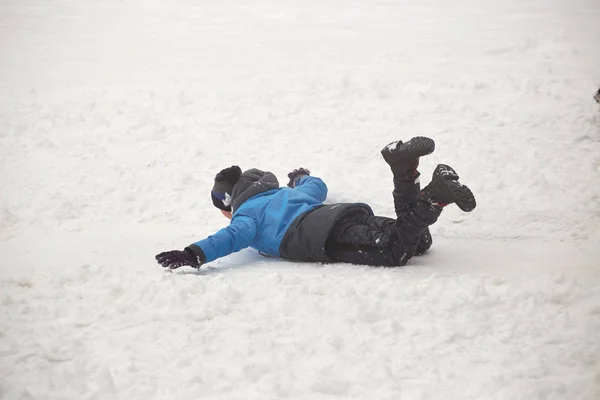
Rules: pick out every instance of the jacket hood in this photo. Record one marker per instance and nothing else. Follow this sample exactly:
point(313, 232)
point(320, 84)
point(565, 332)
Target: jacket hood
point(251, 183)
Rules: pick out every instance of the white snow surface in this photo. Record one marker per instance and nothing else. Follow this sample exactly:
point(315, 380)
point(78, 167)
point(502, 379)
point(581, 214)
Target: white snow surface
point(115, 116)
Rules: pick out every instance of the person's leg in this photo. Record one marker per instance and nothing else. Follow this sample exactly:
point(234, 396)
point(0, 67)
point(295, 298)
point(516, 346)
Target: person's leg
point(380, 241)
point(406, 193)
point(403, 159)
point(413, 224)
point(409, 238)
point(443, 189)
point(359, 238)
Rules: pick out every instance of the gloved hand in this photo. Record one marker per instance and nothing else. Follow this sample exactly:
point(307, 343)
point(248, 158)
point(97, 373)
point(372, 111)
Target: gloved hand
point(295, 175)
point(176, 258)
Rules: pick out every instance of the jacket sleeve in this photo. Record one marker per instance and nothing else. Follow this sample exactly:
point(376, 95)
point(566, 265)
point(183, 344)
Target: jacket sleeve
point(237, 236)
point(312, 186)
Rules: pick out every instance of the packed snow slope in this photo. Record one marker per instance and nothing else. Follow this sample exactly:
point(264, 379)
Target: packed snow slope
point(115, 116)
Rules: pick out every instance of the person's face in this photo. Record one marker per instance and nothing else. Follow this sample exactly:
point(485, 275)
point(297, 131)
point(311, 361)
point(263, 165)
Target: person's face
point(227, 214)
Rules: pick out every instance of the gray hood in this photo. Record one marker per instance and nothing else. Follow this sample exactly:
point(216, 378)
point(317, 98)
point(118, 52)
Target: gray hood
point(251, 183)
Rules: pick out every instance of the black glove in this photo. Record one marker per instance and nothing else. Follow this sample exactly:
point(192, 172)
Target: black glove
point(295, 175)
point(176, 258)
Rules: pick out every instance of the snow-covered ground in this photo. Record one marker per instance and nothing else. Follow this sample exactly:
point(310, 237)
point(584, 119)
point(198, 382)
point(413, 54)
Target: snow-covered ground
point(115, 116)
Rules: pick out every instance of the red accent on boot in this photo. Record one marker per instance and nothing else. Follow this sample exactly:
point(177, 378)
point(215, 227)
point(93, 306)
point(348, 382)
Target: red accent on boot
point(433, 202)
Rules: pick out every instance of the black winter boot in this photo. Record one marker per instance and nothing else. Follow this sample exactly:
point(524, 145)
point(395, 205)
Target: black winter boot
point(403, 157)
point(444, 189)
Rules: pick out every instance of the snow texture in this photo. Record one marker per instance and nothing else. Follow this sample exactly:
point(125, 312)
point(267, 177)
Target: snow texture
point(116, 115)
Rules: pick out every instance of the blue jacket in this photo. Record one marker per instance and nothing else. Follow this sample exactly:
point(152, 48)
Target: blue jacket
point(261, 220)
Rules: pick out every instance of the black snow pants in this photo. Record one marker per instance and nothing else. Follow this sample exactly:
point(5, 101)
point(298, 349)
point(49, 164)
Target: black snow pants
point(360, 238)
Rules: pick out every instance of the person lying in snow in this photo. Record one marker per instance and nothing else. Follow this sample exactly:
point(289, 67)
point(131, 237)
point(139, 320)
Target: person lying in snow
point(293, 223)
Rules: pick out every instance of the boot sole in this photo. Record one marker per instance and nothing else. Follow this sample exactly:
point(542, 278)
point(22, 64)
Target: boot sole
point(463, 196)
point(416, 147)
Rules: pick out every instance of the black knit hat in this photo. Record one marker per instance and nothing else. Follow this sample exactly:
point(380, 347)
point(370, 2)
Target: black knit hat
point(223, 187)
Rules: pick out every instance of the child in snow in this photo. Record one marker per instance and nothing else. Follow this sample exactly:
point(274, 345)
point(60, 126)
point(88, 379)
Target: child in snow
point(293, 222)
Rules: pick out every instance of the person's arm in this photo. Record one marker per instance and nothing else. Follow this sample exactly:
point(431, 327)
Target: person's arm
point(238, 235)
point(301, 180)
point(312, 186)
